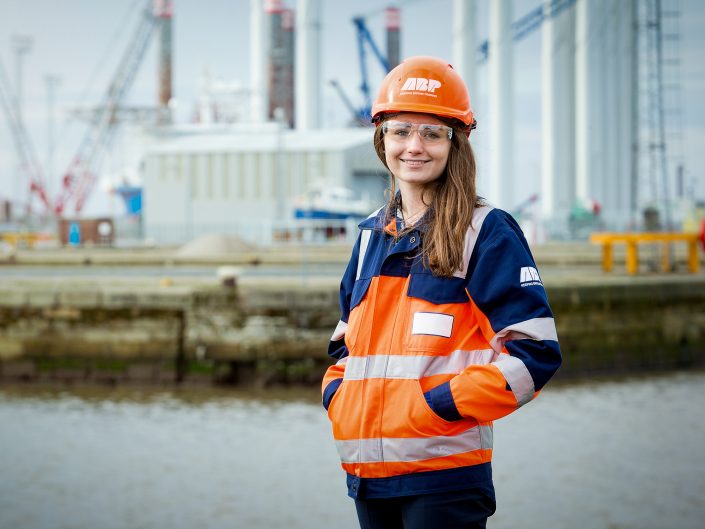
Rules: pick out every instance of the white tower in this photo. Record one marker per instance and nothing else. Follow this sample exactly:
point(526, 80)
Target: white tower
point(308, 64)
point(465, 43)
point(259, 40)
point(558, 145)
point(501, 95)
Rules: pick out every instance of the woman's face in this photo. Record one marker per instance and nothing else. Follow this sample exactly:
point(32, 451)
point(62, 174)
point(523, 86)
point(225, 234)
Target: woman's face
point(416, 155)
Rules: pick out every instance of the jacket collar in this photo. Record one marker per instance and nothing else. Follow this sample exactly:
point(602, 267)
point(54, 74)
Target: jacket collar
point(380, 222)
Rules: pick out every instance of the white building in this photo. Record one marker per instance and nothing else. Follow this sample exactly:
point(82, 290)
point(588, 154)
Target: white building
point(243, 179)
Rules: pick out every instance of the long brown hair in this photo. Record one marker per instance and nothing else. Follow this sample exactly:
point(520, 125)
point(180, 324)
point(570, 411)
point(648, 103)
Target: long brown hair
point(454, 199)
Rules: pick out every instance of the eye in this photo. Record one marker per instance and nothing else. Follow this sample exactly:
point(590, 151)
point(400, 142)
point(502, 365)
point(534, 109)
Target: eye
point(400, 132)
point(432, 135)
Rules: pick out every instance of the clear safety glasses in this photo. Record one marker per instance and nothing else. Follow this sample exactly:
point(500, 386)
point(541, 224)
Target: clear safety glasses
point(400, 132)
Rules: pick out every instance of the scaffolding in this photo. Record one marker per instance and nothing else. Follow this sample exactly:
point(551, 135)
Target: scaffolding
point(660, 177)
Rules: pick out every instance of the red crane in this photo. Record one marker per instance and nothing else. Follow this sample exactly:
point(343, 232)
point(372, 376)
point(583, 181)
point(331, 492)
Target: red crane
point(79, 179)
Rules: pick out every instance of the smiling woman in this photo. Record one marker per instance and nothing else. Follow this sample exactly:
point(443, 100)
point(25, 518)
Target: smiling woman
point(416, 150)
point(437, 336)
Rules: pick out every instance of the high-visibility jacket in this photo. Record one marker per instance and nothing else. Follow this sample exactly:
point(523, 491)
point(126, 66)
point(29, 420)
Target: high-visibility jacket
point(426, 363)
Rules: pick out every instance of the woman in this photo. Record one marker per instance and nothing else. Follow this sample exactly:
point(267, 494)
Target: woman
point(445, 324)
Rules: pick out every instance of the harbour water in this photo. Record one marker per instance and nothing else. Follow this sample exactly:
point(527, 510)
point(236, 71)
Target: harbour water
point(615, 454)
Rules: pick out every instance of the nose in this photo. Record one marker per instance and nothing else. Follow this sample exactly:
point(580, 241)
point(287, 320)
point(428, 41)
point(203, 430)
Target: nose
point(413, 142)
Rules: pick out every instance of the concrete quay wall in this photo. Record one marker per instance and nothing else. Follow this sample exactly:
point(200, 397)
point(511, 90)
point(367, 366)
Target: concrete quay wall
point(276, 330)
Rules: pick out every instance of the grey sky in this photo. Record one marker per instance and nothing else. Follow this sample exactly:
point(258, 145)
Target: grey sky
point(81, 41)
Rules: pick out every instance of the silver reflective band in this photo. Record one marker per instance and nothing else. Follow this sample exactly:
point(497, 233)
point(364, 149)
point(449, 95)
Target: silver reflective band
point(364, 242)
point(401, 131)
point(533, 329)
point(518, 377)
point(409, 449)
point(414, 367)
point(339, 331)
point(471, 235)
point(486, 437)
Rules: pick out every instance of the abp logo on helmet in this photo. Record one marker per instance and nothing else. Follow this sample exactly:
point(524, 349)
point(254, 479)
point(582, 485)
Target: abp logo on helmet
point(420, 86)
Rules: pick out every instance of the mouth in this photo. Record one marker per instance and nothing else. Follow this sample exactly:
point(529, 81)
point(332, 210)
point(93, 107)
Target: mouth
point(414, 163)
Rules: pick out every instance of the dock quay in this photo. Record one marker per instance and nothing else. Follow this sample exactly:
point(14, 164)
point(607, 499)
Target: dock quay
point(147, 317)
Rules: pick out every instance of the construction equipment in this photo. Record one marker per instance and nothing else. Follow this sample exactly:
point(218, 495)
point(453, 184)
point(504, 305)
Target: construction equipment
point(364, 36)
point(361, 115)
point(27, 155)
point(523, 27)
point(79, 179)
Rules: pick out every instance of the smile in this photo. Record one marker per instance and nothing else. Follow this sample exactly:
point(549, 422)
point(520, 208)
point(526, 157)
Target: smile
point(414, 163)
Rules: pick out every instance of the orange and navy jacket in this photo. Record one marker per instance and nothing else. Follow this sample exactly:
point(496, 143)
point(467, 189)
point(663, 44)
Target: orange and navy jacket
point(426, 363)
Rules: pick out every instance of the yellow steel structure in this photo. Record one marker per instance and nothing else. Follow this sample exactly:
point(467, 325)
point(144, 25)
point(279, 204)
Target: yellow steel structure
point(632, 240)
point(20, 239)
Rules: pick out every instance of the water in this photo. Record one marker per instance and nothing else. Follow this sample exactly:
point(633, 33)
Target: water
point(619, 454)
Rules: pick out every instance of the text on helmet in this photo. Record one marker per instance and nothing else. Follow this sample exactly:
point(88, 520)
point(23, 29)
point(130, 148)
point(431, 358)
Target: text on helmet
point(420, 84)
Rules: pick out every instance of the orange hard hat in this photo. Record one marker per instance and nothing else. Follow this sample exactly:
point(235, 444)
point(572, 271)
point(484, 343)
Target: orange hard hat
point(424, 84)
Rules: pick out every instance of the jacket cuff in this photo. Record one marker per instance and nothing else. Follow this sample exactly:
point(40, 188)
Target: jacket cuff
point(440, 400)
point(330, 390)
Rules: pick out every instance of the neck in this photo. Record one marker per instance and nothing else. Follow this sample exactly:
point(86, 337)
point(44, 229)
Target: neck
point(412, 202)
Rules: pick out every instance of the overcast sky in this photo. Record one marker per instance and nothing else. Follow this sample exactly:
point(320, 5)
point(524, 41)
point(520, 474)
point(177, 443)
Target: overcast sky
point(80, 41)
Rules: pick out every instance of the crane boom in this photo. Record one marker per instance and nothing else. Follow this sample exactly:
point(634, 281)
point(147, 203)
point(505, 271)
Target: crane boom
point(364, 35)
point(80, 177)
point(25, 150)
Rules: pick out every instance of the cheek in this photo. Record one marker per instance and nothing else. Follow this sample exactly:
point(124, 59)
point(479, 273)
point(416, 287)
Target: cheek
point(389, 154)
point(443, 159)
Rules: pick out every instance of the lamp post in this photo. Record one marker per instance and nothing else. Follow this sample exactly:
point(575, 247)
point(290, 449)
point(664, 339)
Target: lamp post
point(21, 45)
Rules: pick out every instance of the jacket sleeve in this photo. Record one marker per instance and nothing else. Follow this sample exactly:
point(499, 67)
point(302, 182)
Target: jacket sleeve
point(337, 348)
point(512, 312)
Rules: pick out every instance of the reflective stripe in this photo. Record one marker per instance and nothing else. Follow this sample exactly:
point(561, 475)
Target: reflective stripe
point(486, 437)
point(478, 217)
point(402, 449)
point(432, 323)
point(364, 242)
point(518, 377)
point(414, 367)
point(534, 329)
point(339, 331)
point(343, 361)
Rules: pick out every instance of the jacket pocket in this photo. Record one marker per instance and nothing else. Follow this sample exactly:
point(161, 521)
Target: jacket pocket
point(428, 327)
point(334, 399)
point(432, 415)
point(436, 309)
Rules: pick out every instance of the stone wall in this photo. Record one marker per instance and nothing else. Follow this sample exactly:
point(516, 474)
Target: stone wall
point(265, 332)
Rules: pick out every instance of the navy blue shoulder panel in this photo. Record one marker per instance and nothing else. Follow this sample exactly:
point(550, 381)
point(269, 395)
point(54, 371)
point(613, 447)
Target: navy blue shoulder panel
point(424, 285)
point(500, 264)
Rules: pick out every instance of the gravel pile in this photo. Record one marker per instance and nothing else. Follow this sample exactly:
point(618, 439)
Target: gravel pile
point(213, 246)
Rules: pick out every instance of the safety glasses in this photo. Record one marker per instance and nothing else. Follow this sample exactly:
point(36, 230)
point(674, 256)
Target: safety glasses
point(400, 132)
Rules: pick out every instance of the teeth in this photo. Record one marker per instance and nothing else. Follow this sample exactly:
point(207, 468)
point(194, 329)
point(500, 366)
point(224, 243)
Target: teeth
point(415, 162)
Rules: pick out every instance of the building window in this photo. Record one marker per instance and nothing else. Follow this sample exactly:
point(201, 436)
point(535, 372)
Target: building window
point(161, 167)
point(242, 175)
point(225, 175)
point(257, 174)
point(177, 161)
point(210, 176)
point(194, 174)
